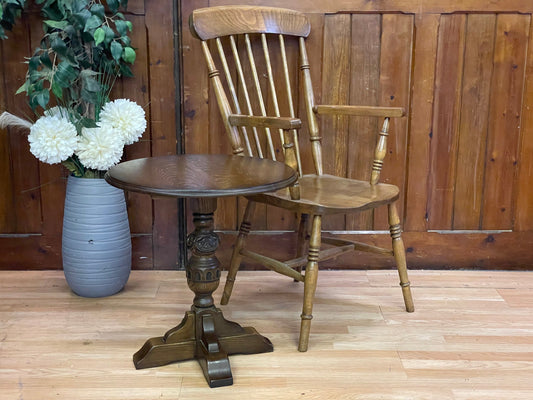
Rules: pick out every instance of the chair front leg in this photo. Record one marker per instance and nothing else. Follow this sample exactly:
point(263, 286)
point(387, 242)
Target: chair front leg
point(302, 243)
point(236, 256)
point(399, 255)
point(311, 276)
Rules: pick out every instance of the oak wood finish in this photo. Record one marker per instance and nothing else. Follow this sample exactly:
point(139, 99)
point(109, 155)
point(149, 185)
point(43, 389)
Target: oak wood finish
point(203, 334)
point(395, 51)
point(313, 195)
point(471, 338)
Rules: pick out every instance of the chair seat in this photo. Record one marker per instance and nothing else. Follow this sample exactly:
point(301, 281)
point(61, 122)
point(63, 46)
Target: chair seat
point(328, 194)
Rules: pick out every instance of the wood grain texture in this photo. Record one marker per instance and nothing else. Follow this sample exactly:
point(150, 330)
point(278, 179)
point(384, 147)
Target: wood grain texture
point(421, 113)
point(32, 193)
point(213, 22)
point(200, 175)
point(330, 195)
point(7, 216)
point(474, 121)
point(406, 6)
point(426, 100)
point(470, 338)
point(160, 35)
point(444, 136)
point(524, 202)
point(395, 75)
point(433, 250)
point(139, 207)
point(335, 90)
point(504, 123)
point(364, 89)
point(24, 166)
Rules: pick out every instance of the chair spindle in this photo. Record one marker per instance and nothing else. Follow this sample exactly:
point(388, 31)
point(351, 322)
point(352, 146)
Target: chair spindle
point(259, 92)
point(314, 137)
point(240, 75)
point(271, 83)
point(233, 92)
point(289, 99)
point(222, 101)
point(380, 153)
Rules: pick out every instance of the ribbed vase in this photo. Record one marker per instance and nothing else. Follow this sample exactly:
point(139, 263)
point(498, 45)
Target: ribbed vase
point(96, 244)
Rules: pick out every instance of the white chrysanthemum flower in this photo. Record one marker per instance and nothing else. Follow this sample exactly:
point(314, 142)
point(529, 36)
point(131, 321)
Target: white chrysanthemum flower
point(53, 139)
point(99, 148)
point(126, 116)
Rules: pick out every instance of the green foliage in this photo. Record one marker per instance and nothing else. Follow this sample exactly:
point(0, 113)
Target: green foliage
point(85, 47)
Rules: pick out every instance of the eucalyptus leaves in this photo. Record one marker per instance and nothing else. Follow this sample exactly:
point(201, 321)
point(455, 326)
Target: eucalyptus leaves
point(85, 47)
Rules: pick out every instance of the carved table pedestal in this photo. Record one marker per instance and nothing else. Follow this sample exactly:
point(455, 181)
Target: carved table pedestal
point(203, 333)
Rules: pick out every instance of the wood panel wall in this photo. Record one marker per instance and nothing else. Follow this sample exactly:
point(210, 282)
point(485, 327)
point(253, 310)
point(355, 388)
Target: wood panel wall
point(463, 155)
point(32, 193)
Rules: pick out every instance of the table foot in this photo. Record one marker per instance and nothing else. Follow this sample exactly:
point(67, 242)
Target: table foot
point(207, 336)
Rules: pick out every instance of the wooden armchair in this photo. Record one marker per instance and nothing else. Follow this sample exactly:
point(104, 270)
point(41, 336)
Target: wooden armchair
point(258, 41)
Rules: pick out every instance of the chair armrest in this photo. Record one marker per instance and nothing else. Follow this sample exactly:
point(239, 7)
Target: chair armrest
point(264, 122)
point(362, 111)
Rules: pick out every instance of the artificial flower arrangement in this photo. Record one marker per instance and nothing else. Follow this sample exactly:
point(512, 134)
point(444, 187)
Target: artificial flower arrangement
point(84, 49)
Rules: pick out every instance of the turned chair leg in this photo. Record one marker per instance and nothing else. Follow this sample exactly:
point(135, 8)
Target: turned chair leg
point(303, 238)
point(399, 255)
point(311, 276)
point(236, 256)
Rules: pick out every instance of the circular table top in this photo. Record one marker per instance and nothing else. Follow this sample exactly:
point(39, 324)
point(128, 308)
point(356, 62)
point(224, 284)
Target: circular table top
point(200, 175)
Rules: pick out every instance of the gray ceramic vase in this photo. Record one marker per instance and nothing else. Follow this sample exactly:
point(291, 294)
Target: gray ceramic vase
point(96, 244)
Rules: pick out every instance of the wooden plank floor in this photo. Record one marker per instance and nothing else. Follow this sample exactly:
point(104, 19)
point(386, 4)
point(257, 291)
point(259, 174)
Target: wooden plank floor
point(471, 337)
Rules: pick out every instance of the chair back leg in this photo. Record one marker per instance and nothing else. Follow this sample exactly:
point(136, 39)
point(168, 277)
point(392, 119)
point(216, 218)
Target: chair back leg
point(399, 255)
point(311, 276)
point(236, 256)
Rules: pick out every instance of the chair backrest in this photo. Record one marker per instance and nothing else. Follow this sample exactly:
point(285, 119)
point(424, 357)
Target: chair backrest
point(266, 80)
point(253, 64)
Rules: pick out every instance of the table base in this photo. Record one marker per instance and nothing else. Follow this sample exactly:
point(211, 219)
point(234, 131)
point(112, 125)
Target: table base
point(206, 335)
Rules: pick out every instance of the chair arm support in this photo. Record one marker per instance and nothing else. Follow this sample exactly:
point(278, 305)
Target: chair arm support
point(265, 122)
point(362, 111)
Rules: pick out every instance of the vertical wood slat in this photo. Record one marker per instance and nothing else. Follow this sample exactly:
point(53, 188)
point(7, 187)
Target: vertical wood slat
point(137, 88)
point(473, 126)
point(425, 55)
point(24, 166)
point(364, 89)
point(524, 200)
point(504, 123)
point(163, 126)
point(444, 138)
point(7, 206)
point(395, 73)
point(196, 103)
point(140, 206)
point(335, 90)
